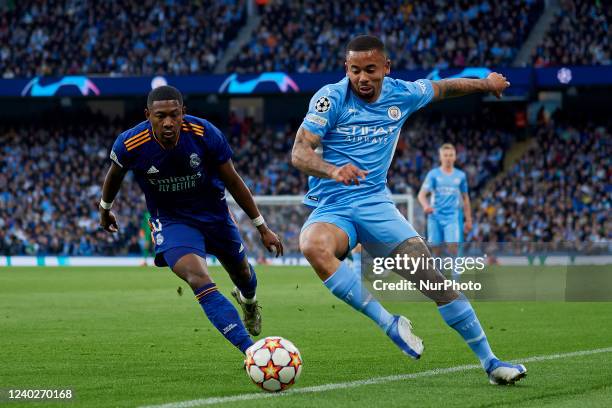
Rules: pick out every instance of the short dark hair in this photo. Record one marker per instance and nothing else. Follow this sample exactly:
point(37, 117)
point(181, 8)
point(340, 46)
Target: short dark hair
point(366, 43)
point(164, 93)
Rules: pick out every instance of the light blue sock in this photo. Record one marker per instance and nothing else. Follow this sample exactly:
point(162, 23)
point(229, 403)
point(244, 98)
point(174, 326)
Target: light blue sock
point(346, 286)
point(357, 263)
point(460, 315)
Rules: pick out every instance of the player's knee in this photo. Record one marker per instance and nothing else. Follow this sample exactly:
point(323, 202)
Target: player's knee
point(426, 271)
point(316, 247)
point(415, 247)
point(192, 271)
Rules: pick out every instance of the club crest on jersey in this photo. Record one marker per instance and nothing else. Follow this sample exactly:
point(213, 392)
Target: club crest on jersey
point(194, 160)
point(159, 239)
point(394, 112)
point(322, 104)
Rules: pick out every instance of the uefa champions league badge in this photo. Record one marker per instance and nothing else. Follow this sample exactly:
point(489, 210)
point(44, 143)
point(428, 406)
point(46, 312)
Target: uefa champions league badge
point(159, 239)
point(322, 104)
point(194, 160)
point(394, 112)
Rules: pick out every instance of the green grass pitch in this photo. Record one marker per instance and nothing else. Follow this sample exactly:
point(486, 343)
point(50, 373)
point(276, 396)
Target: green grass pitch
point(123, 337)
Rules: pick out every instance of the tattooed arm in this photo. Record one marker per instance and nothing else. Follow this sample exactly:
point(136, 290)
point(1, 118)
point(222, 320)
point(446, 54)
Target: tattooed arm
point(451, 88)
point(305, 159)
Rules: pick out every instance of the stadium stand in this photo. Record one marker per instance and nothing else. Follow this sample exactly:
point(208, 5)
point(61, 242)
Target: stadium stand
point(50, 174)
point(50, 178)
point(309, 36)
point(558, 192)
point(579, 35)
point(114, 37)
point(262, 155)
point(480, 145)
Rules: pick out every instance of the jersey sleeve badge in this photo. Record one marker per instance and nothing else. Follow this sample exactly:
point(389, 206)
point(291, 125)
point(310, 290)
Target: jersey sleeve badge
point(322, 104)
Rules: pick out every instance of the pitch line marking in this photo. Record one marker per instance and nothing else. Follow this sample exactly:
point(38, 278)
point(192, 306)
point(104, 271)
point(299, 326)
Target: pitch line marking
point(360, 383)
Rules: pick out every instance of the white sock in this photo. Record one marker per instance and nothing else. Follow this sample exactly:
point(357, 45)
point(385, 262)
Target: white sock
point(247, 301)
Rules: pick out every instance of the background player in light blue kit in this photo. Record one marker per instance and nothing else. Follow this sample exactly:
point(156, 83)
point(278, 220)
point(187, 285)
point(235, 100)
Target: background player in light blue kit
point(346, 144)
point(449, 213)
point(183, 165)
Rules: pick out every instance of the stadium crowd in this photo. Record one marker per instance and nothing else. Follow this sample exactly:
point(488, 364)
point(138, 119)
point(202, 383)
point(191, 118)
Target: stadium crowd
point(60, 37)
point(479, 141)
point(50, 184)
point(579, 35)
point(559, 192)
point(261, 152)
point(309, 35)
point(50, 179)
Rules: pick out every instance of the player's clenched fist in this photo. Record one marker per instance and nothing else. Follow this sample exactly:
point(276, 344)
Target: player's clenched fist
point(348, 174)
point(497, 83)
point(108, 221)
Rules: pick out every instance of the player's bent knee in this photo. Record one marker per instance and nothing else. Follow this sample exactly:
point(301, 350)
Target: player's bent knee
point(417, 248)
point(323, 240)
point(316, 247)
point(192, 269)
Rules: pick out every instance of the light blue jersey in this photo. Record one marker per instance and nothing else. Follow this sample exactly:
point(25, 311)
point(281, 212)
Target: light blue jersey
point(446, 190)
point(364, 134)
point(445, 224)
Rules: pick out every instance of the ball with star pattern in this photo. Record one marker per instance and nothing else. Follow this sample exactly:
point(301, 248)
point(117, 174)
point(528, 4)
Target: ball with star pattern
point(273, 364)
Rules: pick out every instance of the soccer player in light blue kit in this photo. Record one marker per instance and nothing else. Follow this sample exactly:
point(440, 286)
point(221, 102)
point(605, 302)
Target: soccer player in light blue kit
point(449, 214)
point(346, 144)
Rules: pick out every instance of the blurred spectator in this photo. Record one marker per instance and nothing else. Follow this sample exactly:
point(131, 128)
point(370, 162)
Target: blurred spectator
point(50, 180)
point(51, 175)
point(579, 35)
point(310, 36)
point(60, 37)
point(558, 192)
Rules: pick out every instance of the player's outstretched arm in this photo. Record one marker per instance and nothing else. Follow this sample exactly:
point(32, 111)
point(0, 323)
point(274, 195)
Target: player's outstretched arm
point(235, 185)
point(451, 88)
point(112, 184)
point(305, 159)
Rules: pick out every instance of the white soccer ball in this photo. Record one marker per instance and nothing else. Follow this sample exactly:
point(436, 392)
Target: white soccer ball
point(273, 364)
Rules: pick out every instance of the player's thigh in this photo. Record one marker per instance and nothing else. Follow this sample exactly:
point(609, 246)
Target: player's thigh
point(381, 227)
point(190, 267)
point(323, 240)
point(329, 229)
point(223, 240)
point(169, 234)
point(452, 232)
point(434, 231)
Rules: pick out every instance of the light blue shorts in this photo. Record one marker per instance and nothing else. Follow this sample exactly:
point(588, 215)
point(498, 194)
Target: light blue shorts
point(374, 222)
point(445, 229)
